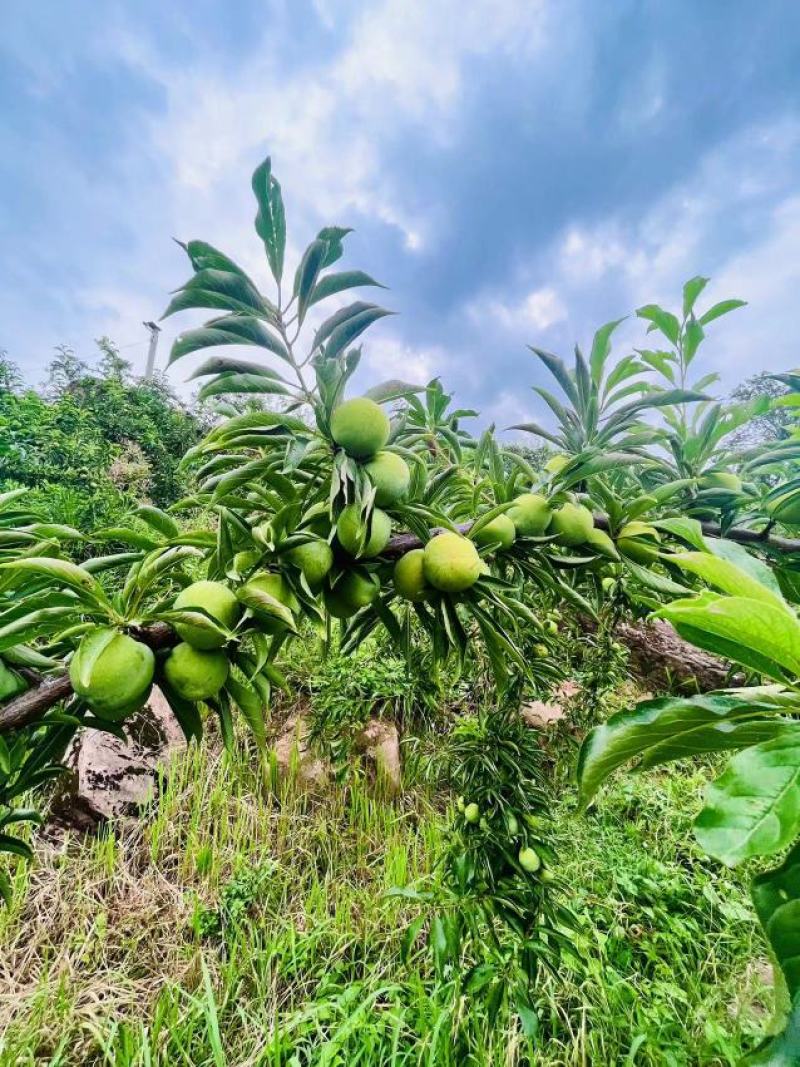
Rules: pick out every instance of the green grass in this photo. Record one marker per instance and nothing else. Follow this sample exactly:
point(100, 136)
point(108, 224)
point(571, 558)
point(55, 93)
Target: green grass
point(238, 928)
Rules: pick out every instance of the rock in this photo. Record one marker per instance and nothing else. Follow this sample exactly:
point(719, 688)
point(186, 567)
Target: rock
point(380, 744)
point(293, 754)
point(541, 715)
point(567, 690)
point(113, 778)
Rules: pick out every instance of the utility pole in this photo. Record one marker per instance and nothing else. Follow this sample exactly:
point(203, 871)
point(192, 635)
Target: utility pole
point(151, 351)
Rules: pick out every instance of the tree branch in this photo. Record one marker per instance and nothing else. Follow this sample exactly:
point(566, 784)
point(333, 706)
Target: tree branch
point(32, 704)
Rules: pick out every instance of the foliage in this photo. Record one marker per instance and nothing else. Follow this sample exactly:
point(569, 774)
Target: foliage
point(751, 809)
point(281, 537)
point(96, 443)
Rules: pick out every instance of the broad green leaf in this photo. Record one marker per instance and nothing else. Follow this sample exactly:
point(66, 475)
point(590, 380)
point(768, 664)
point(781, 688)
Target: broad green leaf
point(270, 222)
point(691, 290)
point(353, 327)
point(226, 290)
point(197, 619)
point(262, 603)
point(250, 705)
point(722, 574)
point(665, 321)
point(227, 330)
point(753, 808)
point(227, 365)
point(782, 1050)
point(339, 282)
point(307, 274)
point(242, 383)
point(91, 651)
point(756, 634)
point(393, 389)
point(158, 519)
point(685, 529)
point(745, 561)
point(671, 728)
point(601, 346)
point(64, 572)
point(722, 308)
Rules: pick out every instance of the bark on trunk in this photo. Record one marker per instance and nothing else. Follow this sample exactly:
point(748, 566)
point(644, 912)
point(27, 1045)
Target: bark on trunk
point(663, 660)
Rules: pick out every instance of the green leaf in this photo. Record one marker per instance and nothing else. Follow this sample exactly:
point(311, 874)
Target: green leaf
point(691, 290)
point(393, 389)
point(685, 529)
point(64, 572)
point(227, 330)
point(262, 603)
point(250, 705)
point(270, 219)
point(339, 282)
point(158, 519)
point(223, 289)
point(345, 333)
point(663, 320)
point(756, 634)
point(722, 574)
point(782, 1050)
point(242, 383)
point(753, 808)
point(601, 346)
point(722, 308)
point(670, 728)
point(756, 569)
point(307, 274)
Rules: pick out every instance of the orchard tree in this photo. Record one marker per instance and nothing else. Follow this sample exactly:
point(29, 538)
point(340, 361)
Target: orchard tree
point(339, 514)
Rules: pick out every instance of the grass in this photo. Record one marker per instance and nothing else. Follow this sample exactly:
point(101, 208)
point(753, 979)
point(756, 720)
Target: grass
point(236, 927)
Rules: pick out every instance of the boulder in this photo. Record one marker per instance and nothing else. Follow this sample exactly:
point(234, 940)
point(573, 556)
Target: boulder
point(113, 778)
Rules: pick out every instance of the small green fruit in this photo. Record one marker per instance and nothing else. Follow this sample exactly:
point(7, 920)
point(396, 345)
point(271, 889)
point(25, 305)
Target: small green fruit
point(608, 584)
point(353, 591)
point(360, 426)
point(500, 529)
point(731, 483)
point(512, 824)
point(112, 672)
point(529, 860)
point(349, 526)
point(315, 559)
point(195, 674)
point(530, 514)
point(556, 463)
point(552, 627)
point(786, 509)
point(275, 586)
point(11, 683)
point(215, 599)
point(451, 563)
point(542, 651)
point(409, 575)
point(472, 813)
point(460, 803)
point(391, 477)
point(572, 524)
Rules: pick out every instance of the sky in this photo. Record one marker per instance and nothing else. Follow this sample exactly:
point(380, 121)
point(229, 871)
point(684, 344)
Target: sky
point(517, 172)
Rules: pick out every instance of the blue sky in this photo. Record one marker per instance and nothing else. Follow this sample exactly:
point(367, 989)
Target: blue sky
point(517, 171)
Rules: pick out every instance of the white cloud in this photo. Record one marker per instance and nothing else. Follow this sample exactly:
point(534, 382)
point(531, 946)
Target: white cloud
point(391, 357)
point(540, 309)
point(636, 260)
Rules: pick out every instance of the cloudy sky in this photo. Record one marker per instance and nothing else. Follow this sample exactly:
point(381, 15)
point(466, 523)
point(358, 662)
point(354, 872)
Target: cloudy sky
point(517, 171)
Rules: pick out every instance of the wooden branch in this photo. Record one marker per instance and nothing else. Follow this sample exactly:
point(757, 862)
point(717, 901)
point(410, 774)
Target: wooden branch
point(32, 704)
